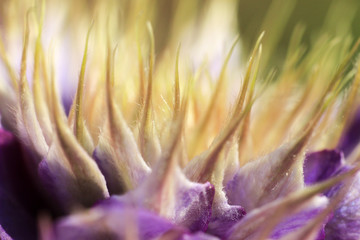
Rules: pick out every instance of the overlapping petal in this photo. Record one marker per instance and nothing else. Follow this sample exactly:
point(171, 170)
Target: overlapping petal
point(351, 136)
point(249, 187)
point(190, 206)
point(319, 166)
point(119, 221)
point(345, 222)
point(114, 221)
point(18, 202)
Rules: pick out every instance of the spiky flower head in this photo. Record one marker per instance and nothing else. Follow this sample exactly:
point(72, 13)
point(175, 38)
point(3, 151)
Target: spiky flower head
point(156, 142)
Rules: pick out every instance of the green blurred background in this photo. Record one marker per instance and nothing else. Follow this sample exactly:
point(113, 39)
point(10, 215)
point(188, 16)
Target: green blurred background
point(279, 18)
point(334, 18)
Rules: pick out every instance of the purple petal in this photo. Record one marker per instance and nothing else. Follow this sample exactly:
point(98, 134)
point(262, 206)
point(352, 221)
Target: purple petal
point(14, 219)
point(67, 102)
point(14, 174)
point(4, 235)
point(249, 187)
point(299, 220)
point(114, 221)
point(223, 219)
point(193, 206)
point(293, 215)
point(111, 157)
point(56, 184)
point(68, 186)
point(345, 223)
point(18, 202)
point(63, 189)
point(198, 236)
point(180, 235)
point(319, 166)
point(351, 136)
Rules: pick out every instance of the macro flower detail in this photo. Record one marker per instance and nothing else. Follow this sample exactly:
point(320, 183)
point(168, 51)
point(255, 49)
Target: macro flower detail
point(344, 222)
point(319, 166)
point(155, 145)
point(350, 137)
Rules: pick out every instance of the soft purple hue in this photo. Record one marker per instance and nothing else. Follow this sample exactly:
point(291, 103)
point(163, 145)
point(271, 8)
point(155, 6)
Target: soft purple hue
point(198, 236)
point(345, 223)
point(106, 166)
point(351, 136)
point(65, 189)
point(56, 184)
point(14, 219)
point(254, 185)
point(191, 206)
point(295, 222)
point(17, 202)
point(4, 235)
point(194, 205)
point(112, 221)
point(222, 220)
point(67, 101)
point(319, 166)
point(321, 235)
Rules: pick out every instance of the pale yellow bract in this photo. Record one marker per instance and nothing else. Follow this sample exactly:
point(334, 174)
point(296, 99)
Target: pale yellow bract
point(143, 98)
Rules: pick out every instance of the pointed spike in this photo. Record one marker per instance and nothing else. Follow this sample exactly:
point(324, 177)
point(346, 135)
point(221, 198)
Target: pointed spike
point(47, 81)
point(212, 156)
point(25, 49)
point(220, 81)
point(347, 59)
point(36, 73)
point(113, 128)
point(9, 68)
point(109, 98)
point(335, 81)
point(186, 98)
point(240, 101)
point(91, 182)
point(210, 108)
point(145, 121)
point(141, 71)
point(112, 79)
point(80, 129)
point(290, 118)
point(246, 125)
point(41, 108)
point(294, 152)
point(136, 115)
point(201, 168)
point(302, 196)
point(164, 170)
point(122, 139)
point(292, 155)
point(54, 95)
point(311, 230)
point(177, 84)
point(282, 207)
point(32, 130)
point(43, 59)
point(226, 61)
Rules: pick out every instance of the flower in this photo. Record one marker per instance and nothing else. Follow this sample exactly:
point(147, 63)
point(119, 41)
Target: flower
point(136, 156)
